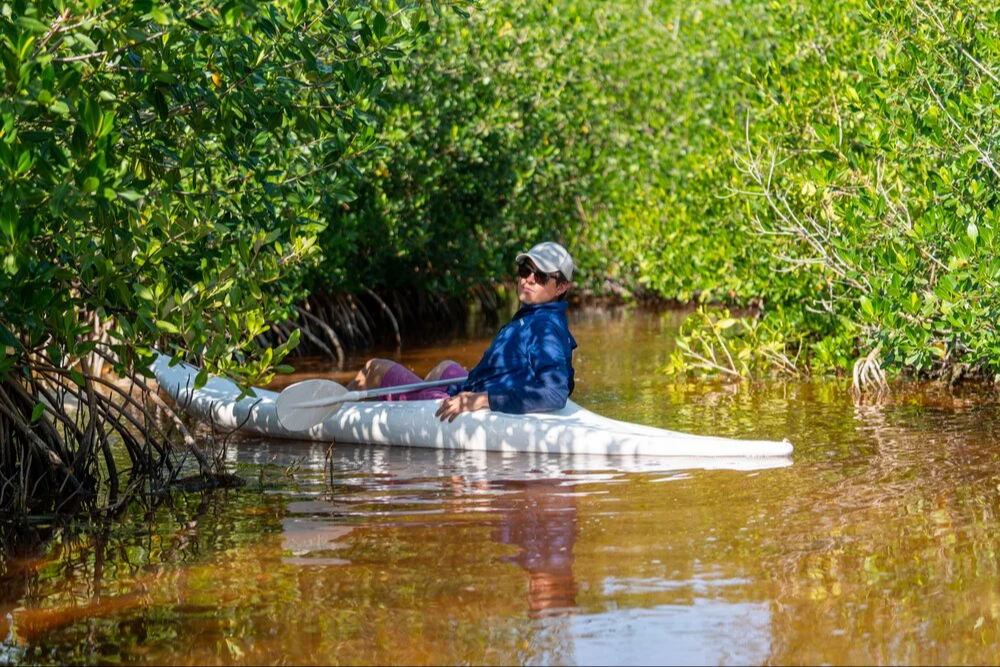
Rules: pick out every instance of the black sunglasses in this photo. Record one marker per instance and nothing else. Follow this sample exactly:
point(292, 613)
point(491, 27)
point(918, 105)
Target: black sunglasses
point(541, 278)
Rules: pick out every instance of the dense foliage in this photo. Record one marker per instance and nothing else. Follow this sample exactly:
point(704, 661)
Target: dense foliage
point(505, 130)
point(867, 176)
point(166, 167)
point(828, 164)
point(606, 125)
point(164, 163)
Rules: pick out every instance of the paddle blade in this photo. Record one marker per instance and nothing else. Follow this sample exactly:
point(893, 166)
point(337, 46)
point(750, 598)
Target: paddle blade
point(295, 415)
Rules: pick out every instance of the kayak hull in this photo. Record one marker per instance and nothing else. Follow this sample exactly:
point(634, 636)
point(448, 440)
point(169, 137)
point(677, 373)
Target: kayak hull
point(572, 430)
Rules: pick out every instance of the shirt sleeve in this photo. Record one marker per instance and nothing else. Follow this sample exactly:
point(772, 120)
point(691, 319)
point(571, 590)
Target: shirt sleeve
point(550, 382)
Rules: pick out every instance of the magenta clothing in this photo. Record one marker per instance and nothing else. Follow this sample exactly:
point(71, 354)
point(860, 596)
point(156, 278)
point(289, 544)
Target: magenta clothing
point(399, 375)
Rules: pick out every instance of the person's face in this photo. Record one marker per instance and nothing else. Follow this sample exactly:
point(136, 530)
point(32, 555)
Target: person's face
point(531, 291)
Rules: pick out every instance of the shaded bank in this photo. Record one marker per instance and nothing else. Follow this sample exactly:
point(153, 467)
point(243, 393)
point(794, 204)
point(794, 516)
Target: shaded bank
point(333, 324)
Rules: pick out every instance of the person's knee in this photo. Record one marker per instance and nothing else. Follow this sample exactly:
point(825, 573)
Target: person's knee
point(378, 363)
point(371, 374)
point(438, 371)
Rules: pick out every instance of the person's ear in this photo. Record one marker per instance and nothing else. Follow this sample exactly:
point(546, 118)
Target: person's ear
point(561, 288)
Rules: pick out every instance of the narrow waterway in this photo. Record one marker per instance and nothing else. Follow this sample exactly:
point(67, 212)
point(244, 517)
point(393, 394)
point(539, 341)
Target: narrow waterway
point(878, 544)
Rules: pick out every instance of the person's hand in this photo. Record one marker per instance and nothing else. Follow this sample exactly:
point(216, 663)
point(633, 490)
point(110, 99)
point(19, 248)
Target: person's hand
point(467, 401)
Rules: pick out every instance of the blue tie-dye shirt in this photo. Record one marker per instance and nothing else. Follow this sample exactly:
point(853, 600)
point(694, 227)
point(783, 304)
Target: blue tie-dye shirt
point(529, 365)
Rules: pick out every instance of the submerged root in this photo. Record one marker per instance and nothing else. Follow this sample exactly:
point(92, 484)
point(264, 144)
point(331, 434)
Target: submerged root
point(869, 376)
point(332, 324)
point(71, 438)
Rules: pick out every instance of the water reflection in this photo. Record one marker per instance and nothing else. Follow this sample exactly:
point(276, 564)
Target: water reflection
point(533, 507)
point(309, 539)
point(539, 517)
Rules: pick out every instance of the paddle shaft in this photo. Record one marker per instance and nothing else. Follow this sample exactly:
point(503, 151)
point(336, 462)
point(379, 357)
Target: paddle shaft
point(381, 391)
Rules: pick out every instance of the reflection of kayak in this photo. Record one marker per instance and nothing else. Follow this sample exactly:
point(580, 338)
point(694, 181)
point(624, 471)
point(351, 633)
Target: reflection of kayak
point(572, 430)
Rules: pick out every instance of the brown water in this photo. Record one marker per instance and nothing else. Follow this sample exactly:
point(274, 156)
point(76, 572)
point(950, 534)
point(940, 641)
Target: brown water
point(878, 545)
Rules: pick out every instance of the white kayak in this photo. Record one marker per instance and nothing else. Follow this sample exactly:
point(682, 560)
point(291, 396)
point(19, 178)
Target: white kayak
point(572, 430)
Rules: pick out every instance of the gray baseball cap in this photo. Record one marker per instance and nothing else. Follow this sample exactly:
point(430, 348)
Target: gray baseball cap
point(550, 257)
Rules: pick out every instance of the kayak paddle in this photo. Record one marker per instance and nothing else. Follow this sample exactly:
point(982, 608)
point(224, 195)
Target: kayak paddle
point(304, 404)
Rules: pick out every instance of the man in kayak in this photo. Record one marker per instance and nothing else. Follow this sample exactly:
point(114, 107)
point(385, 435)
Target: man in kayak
point(528, 366)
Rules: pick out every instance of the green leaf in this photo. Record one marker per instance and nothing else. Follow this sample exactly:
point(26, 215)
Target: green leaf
point(201, 379)
point(135, 34)
point(160, 103)
point(34, 25)
point(77, 377)
point(169, 327)
point(199, 24)
point(36, 412)
point(59, 107)
point(91, 184)
point(24, 162)
point(973, 231)
point(106, 124)
point(91, 117)
point(25, 44)
point(8, 219)
point(84, 39)
point(379, 25)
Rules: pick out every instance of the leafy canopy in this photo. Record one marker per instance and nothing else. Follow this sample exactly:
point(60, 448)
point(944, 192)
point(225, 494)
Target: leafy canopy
point(166, 166)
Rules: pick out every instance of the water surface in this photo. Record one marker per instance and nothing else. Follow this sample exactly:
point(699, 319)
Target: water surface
point(877, 545)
